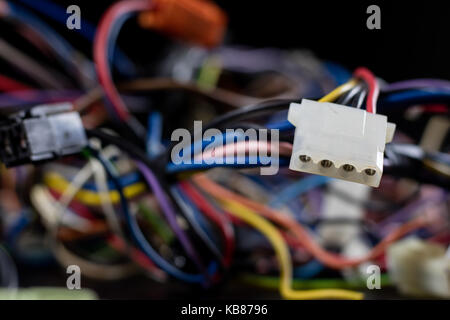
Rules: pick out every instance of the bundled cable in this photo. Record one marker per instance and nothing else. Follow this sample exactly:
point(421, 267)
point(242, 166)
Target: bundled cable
point(374, 89)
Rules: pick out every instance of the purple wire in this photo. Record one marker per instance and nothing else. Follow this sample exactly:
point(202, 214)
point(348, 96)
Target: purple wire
point(418, 84)
point(250, 60)
point(405, 213)
point(16, 100)
point(169, 212)
point(315, 198)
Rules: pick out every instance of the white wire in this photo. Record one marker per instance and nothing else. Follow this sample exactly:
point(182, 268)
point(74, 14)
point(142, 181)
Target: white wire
point(105, 200)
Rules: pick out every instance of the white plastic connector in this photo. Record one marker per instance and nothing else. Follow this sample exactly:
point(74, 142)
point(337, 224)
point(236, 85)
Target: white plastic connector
point(419, 268)
point(339, 141)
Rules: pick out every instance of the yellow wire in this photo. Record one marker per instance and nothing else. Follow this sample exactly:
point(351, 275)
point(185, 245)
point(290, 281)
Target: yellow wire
point(284, 257)
point(333, 95)
point(91, 198)
point(440, 168)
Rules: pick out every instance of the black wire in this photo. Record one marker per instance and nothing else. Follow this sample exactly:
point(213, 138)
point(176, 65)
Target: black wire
point(407, 160)
point(359, 99)
point(246, 125)
point(125, 145)
point(250, 111)
point(197, 233)
point(186, 205)
point(346, 98)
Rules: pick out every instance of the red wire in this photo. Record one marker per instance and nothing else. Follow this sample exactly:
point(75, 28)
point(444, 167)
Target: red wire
point(7, 84)
point(217, 217)
point(137, 256)
point(75, 206)
point(435, 108)
point(101, 47)
point(374, 89)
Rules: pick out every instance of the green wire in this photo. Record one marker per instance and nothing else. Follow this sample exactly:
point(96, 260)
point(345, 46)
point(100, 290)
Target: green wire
point(105, 253)
point(157, 223)
point(47, 293)
point(209, 73)
point(270, 282)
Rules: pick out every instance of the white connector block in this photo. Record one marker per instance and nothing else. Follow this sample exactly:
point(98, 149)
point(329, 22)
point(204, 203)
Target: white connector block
point(419, 268)
point(339, 141)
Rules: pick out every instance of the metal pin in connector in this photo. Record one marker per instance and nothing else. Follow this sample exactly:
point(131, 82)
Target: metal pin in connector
point(304, 158)
point(348, 167)
point(370, 172)
point(326, 163)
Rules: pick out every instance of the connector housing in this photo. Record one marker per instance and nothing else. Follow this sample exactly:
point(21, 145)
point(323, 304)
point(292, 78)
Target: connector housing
point(197, 21)
point(43, 133)
point(339, 141)
point(419, 268)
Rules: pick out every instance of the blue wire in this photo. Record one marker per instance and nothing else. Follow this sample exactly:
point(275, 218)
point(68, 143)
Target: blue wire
point(283, 125)
point(154, 134)
point(59, 14)
point(199, 145)
point(339, 73)
point(63, 49)
point(124, 181)
point(406, 98)
point(296, 189)
point(289, 193)
point(174, 168)
point(199, 218)
point(11, 237)
point(308, 270)
point(127, 67)
point(139, 237)
point(87, 30)
point(56, 41)
point(17, 227)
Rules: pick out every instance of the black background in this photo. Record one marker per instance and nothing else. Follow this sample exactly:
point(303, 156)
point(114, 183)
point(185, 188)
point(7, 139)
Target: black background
point(412, 43)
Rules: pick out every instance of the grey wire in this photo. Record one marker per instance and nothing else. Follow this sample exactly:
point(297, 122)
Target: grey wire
point(195, 225)
point(357, 103)
point(8, 271)
point(46, 76)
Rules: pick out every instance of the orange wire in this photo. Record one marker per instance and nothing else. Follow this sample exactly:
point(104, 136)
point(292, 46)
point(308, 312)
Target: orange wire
point(331, 260)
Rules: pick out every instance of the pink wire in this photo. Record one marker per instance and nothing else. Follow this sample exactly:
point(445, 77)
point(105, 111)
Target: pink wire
point(241, 148)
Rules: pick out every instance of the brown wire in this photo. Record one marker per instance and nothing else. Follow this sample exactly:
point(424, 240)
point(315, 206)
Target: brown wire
point(223, 96)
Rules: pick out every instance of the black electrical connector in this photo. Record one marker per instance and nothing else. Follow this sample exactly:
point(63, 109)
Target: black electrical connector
point(14, 148)
point(41, 133)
